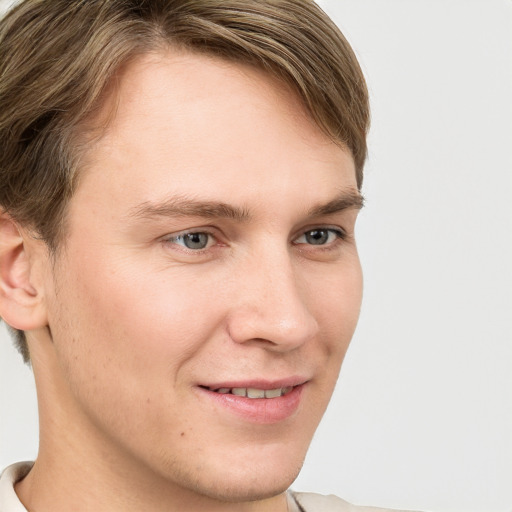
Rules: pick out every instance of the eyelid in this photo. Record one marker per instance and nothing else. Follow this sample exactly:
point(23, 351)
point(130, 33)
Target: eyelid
point(340, 233)
point(172, 237)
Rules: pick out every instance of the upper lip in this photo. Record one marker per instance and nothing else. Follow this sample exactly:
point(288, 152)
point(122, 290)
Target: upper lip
point(257, 383)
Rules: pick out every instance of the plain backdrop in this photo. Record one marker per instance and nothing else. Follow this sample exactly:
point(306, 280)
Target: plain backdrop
point(422, 416)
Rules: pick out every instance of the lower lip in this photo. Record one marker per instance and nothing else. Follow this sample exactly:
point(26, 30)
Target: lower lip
point(259, 410)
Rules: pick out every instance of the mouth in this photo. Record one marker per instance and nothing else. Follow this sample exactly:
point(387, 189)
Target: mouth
point(256, 402)
point(252, 392)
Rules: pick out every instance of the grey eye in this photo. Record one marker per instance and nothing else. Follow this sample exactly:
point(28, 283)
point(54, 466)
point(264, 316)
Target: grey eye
point(317, 236)
point(195, 240)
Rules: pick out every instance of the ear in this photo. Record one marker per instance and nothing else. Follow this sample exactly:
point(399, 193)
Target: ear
point(21, 303)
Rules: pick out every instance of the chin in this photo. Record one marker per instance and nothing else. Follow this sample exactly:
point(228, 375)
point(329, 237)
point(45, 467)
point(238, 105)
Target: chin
point(241, 478)
point(250, 486)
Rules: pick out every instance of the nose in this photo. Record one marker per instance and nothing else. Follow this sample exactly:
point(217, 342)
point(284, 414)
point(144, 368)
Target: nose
point(271, 304)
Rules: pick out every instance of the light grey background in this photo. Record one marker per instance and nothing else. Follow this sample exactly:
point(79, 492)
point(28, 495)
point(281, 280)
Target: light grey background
point(422, 417)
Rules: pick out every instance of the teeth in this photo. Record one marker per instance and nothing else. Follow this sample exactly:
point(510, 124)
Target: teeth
point(273, 393)
point(255, 393)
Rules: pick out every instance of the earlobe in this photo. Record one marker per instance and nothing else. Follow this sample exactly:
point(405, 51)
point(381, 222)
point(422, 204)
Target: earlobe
point(21, 303)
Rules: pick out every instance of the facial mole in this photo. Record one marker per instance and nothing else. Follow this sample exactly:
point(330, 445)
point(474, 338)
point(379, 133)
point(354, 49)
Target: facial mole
point(182, 434)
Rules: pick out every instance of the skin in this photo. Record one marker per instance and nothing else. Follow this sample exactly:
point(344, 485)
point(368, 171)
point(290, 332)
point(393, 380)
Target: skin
point(130, 321)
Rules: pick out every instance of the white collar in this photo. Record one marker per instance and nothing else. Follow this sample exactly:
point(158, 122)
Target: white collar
point(9, 501)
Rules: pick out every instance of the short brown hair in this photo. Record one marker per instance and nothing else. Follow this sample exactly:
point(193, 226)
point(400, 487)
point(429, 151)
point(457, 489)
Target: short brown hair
point(57, 58)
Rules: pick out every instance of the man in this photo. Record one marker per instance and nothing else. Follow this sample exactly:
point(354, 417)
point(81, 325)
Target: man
point(179, 186)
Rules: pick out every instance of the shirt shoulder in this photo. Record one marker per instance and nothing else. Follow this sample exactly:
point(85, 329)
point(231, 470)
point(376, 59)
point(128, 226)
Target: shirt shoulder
point(312, 502)
point(9, 501)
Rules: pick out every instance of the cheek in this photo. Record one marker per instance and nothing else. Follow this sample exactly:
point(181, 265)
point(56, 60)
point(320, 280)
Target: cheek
point(338, 308)
point(128, 321)
point(131, 342)
point(337, 304)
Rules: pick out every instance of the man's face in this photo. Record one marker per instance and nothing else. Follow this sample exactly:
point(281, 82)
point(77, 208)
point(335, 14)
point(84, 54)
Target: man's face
point(210, 254)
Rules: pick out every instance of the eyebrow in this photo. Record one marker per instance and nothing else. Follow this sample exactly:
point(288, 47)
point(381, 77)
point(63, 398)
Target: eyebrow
point(351, 199)
point(189, 207)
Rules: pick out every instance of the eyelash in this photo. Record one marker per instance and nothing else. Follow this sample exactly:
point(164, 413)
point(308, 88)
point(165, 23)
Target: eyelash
point(338, 233)
point(173, 239)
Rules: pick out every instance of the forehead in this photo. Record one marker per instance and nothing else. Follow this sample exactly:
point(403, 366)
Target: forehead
point(184, 123)
point(179, 88)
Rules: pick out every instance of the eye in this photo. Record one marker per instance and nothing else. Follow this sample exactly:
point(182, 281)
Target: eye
point(320, 236)
point(194, 241)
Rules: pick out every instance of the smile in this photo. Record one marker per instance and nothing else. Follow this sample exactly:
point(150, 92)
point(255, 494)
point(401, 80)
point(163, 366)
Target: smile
point(255, 404)
point(254, 393)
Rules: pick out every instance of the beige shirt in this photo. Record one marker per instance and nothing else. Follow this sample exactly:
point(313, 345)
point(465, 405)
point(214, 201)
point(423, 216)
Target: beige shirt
point(311, 502)
point(9, 501)
point(297, 501)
